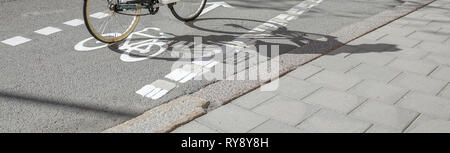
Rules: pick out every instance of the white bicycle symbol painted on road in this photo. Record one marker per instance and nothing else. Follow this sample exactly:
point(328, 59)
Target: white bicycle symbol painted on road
point(144, 47)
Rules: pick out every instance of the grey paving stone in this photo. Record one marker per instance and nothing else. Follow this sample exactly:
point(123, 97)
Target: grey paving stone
point(384, 114)
point(337, 64)
point(383, 129)
point(419, 83)
point(343, 51)
point(254, 98)
point(437, 17)
point(371, 58)
point(378, 91)
point(428, 36)
point(396, 31)
point(416, 66)
point(413, 21)
point(447, 42)
point(398, 23)
point(231, 118)
point(421, 27)
point(444, 30)
point(374, 72)
point(435, 47)
point(426, 104)
point(445, 93)
point(375, 35)
point(408, 53)
point(286, 110)
point(304, 71)
point(438, 24)
point(333, 122)
point(442, 73)
point(438, 58)
point(272, 126)
point(432, 126)
point(398, 40)
point(295, 88)
point(334, 100)
point(334, 80)
point(194, 127)
point(416, 14)
point(418, 121)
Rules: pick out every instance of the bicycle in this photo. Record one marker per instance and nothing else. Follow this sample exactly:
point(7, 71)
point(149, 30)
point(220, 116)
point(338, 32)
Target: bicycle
point(126, 15)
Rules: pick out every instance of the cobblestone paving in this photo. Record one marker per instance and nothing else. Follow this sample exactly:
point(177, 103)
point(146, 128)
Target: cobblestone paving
point(404, 88)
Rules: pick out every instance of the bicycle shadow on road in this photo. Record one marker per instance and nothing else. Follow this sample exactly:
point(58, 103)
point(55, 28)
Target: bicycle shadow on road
point(288, 41)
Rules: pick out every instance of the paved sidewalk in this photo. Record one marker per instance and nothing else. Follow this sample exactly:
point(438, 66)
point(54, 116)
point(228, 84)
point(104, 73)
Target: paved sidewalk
point(400, 87)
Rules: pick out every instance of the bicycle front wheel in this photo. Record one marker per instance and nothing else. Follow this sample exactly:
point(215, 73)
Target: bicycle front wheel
point(187, 10)
point(108, 24)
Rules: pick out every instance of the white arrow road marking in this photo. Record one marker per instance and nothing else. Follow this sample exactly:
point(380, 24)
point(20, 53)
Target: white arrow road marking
point(48, 31)
point(215, 5)
point(14, 41)
point(74, 22)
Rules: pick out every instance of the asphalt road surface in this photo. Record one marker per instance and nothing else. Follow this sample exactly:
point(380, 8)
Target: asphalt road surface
point(55, 78)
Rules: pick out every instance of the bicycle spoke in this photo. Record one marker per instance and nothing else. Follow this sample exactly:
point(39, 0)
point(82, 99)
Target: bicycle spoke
point(104, 28)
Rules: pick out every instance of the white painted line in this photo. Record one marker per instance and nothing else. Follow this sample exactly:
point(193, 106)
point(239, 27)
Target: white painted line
point(291, 18)
point(99, 15)
point(157, 89)
point(48, 31)
point(202, 62)
point(177, 74)
point(212, 64)
point(160, 94)
point(188, 77)
point(293, 10)
point(14, 41)
point(300, 12)
point(154, 92)
point(302, 5)
point(74, 22)
point(145, 90)
point(282, 16)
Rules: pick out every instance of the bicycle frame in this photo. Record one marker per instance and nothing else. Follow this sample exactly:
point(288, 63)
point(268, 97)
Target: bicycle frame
point(133, 4)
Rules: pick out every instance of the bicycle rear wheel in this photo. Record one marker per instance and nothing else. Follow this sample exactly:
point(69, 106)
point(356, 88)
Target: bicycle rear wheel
point(187, 10)
point(107, 24)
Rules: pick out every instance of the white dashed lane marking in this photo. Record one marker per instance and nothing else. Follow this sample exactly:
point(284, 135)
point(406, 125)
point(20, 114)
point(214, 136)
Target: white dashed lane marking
point(177, 74)
point(157, 89)
point(48, 31)
point(74, 22)
point(14, 41)
point(99, 15)
point(190, 71)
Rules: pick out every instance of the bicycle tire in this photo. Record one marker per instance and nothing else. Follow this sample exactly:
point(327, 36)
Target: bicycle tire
point(101, 37)
point(190, 17)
